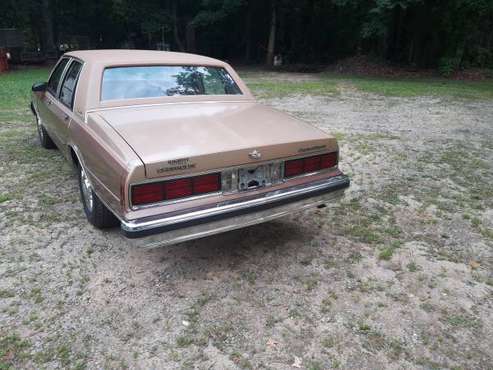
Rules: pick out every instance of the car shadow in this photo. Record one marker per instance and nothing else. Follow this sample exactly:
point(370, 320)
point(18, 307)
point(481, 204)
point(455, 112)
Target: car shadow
point(259, 247)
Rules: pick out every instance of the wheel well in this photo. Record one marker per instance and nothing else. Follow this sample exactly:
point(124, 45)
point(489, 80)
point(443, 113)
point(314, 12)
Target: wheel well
point(75, 160)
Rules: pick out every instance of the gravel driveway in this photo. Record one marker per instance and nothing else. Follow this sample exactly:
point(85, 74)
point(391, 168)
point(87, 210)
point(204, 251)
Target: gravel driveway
point(397, 275)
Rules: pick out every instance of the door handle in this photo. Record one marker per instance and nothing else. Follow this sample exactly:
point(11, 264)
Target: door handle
point(49, 102)
point(66, 117)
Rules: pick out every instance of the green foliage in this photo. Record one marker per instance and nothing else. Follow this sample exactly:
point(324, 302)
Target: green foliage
point(447, 35)
point(213, 11)
point(448, 66)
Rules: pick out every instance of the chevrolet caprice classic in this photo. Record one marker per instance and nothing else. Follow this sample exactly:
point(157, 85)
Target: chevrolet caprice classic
point(174, 147)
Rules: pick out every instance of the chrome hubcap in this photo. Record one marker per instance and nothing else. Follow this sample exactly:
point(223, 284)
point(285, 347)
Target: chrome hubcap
point(86, 190)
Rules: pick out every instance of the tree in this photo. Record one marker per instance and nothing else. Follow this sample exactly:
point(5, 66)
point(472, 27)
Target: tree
point(49, 40)
point(271, 44)
point(424, 33)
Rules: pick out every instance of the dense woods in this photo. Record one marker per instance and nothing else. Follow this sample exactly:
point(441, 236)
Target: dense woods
point(447, 34)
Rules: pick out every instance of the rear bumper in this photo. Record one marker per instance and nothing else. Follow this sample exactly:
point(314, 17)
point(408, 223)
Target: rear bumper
point(175, 228)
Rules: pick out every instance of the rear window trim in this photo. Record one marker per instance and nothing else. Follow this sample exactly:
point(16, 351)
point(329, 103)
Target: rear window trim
point(165, 65)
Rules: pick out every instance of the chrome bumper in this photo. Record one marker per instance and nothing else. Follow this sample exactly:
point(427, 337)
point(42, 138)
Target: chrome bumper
point(193, 224)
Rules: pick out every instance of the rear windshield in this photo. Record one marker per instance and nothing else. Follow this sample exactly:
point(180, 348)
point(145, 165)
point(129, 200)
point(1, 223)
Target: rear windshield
point(155, 81)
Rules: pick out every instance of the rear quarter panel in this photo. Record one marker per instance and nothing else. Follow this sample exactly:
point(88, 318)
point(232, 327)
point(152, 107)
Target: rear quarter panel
point(107, 159)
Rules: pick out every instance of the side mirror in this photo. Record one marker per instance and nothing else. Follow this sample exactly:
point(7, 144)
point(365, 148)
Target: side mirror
point(39, 87)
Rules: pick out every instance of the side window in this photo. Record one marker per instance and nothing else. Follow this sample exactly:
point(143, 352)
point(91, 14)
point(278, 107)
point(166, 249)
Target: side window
point(69, 84)
point(56, 75)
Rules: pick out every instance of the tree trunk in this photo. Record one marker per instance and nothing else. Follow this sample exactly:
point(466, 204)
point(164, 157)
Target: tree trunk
point(248, 31)
point(49, 40)
point(272, 36)
point(175, 27)
point(190, 37)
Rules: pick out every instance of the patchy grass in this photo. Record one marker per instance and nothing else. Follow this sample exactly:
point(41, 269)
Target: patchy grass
point(463, 321)
point(240, 361)
point(412, 266)
point(425, 87)
point(331, 84)
point(387, 252)
point(13, 351)
point(271, 89)
point(4, 198)
point(5, 293)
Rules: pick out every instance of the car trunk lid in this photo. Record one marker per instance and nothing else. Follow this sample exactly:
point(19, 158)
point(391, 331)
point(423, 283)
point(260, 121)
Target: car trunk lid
point(182, 138)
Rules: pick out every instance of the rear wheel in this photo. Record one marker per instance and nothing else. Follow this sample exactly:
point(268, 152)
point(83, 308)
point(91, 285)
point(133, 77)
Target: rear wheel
point(96, 212)
point(44, 138)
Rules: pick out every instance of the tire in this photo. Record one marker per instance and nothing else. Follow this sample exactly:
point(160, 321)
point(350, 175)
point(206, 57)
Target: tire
point(96, 212)
point(44, 138)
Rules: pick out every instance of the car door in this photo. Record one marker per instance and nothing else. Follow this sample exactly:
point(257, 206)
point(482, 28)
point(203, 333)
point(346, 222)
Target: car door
point(47, 109)
point(63, 107)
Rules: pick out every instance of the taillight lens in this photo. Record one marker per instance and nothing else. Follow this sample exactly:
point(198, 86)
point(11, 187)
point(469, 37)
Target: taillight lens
point(328, 160)
point(178, 189)
point(293, 168)
point(311, 164)
point(315, 163)
point(175, 189)
point(206, 183)
point(147, 193)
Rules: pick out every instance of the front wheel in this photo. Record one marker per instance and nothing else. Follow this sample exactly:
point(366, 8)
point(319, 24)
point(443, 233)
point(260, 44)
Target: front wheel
point(96, 212)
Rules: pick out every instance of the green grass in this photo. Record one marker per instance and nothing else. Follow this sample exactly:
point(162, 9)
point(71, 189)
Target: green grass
point(15, 87)
point(272, 89)
point(4, 293)
point(15, 92)
point(13, 350)
point(386, 253)
point(463, 321)
point(330, 84)
point(424, 87)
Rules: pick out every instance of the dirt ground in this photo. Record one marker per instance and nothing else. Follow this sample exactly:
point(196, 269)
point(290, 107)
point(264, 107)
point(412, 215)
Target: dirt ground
point(397, 275)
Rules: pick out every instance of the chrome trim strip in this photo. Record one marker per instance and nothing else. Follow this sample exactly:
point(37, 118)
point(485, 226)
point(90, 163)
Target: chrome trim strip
point(162, 220)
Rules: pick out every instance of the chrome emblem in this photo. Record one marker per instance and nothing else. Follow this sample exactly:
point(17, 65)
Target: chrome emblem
point(255, 154)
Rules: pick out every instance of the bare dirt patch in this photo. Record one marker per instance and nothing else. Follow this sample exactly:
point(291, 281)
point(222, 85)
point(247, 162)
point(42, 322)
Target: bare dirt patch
point(397, 275)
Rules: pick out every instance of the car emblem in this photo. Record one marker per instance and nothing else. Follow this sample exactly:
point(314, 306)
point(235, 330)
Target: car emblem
point(255, 154)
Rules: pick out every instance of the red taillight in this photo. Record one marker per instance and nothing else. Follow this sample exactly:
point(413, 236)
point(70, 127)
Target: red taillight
point(293, 168)
point(178, 188)
point(301, 166)
point(311, 164)
point(147, 193)
point(328, 160)
point(206, 183)
point(175, 189)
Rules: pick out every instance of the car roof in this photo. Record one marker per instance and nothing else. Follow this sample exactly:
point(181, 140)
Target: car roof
point(96, 61)
point(131, 56)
